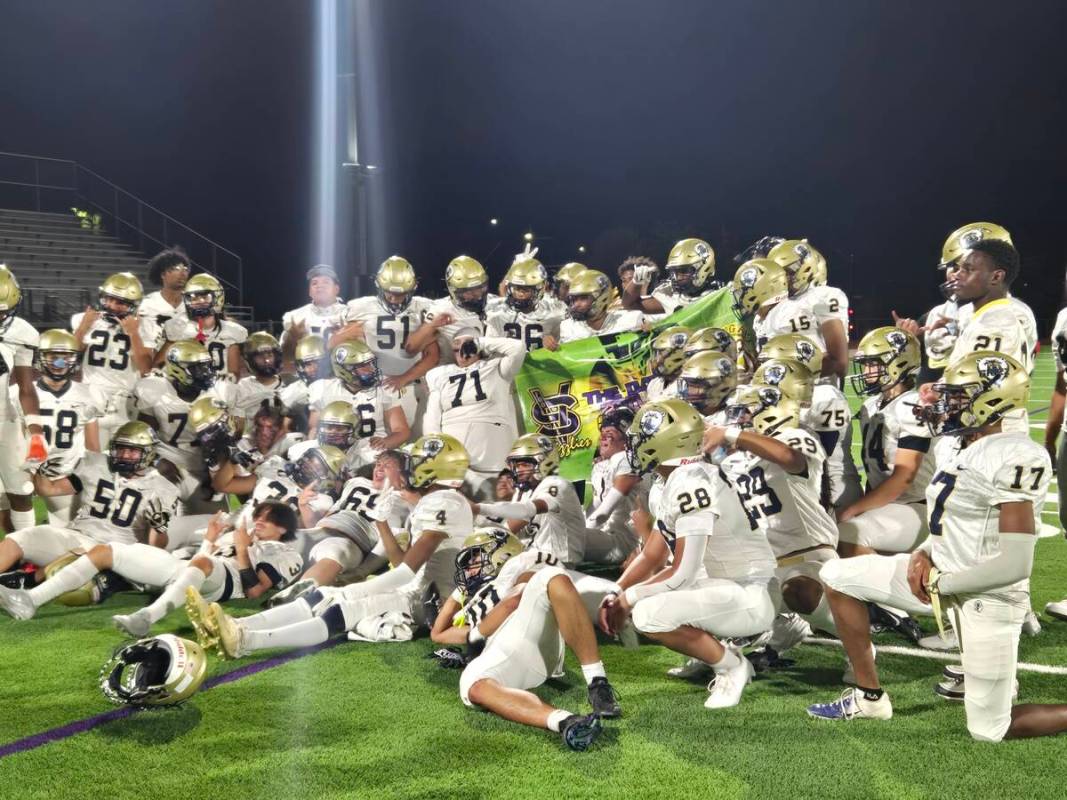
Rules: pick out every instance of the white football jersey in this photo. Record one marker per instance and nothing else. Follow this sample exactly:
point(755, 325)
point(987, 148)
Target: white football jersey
point(529, 328)
point(830, 418)
point(604, 473)
point(970, 483)
point(250, 394)
point(112, 506)
point(615, 321)
point(887, 428)
point(695, 500)
point(1059, 347)
point(294, 396)
point(156, 398)
point(18, 345)
point(939, 342)
point(475, 608)
point(461, 318)
point(154, 312)
point(827, 303)
point(672, 300)
point(784, 505)
point(1023, 313)
point(444, 511)
point(792, 315)
point(561, 533)
point(480, 392)
point(108, 360)
point(216, 339)
point(64, 414)
point(279, 561)
point(386, 333)
point(370, 406)
point(274, 483)
point(348, 515)
point(995, 326)
point(318, 320)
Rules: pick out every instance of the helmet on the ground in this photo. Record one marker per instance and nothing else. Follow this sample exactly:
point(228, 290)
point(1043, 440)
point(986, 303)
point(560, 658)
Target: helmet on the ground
point(160, 670)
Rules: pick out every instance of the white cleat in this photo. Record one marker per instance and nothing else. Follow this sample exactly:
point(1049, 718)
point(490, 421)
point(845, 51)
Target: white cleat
point(231, 633)
point(1057, 610)
point(692, 668)
point(937, 642)
point(1031, 624)
point(137, 624)
point(853, 705)
point(726, 689)
point(787, 631)
point(17, 603)
point(952, 686)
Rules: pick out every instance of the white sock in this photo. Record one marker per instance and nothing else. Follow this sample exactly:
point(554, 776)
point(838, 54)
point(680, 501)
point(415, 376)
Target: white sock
point(556, 718)
point(729, 660)
point(301, 634)
point(594, 670)
point(279, 616)
point(66, 580)
point(174, 593)
point(23, 519)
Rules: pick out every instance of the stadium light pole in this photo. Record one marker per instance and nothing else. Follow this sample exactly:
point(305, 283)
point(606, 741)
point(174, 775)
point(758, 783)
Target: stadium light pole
point(326, 159)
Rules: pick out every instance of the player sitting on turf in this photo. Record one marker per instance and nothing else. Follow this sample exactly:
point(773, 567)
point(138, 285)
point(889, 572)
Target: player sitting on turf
point(441, 520)
point(523, 619)
point(717, 582)
point(984, 507)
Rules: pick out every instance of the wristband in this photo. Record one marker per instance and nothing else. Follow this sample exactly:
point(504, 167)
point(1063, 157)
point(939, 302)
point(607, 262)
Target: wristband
point(731, 434)
point(34, 419)
point(248, 578)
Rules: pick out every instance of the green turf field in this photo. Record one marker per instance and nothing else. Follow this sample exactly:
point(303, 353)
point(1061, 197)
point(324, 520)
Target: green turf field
point(362, 720)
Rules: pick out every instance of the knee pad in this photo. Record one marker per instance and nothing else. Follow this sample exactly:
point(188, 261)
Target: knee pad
point(334, 618)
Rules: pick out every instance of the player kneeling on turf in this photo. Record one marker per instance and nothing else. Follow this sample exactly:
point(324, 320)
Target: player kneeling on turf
point(984, 505)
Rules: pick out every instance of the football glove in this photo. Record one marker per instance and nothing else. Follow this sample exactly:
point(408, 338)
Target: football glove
point(155, 516)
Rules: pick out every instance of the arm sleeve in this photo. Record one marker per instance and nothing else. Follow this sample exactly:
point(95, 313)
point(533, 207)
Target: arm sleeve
point(511, 353)
point(525, 509)
point(611, 499)
point(1013, 563)
point(685, 572)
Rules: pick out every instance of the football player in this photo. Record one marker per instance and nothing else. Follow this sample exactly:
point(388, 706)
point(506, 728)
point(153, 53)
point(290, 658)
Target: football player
point(1056, 421)
point(588, 312)
point(525, 313)
point(544, 503)
point(563, 277)
point(385, 323)
point(123, 499)
point(690, 276)
point(205, 321)
point(666, 356)
point(169, 270)
point(617, 489)
point(468, 293)
point(324, 314)
point(116, 355)
point(802, 263)
point(69, 409)
point(761, 292)
point(984, 508)
point(717, 583)
point(897, 455)
point(706, 380)
point(717, 340)
point(310, 359)
point(472, 399)
point(358, 381)
point(263, 359)
point(438, 525)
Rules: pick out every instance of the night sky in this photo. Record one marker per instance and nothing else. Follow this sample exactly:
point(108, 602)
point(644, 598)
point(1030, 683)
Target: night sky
point(872, 128)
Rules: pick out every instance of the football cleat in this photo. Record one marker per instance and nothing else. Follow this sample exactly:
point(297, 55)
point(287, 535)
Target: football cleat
point(199, 613)
point(230, 632)
point(952, 687)
point(853, 705)
point(1056, 610)
point(21, 579)
point(787, 631)
point(766, 658)
point(17, 603)
point(603, 699)
point(136, 625)
point(938, 642)
point(692, 669)
point(293, 591)
point(882, 619)
point(1031, 624)
point(580, 732)
point(726, 688)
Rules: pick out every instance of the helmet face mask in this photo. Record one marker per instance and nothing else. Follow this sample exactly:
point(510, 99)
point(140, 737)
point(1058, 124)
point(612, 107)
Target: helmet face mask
point(203, 296)
point(157, 671)
point(472, 299)
point(58, 355)
point(885, 358)
point(580, 306)
point(975, 392)
point(396, 283)
point(189, 368)
point(199, 304)
point(763, 409)
point(871, 375)
point(132, 449)
point(313, 468)
point(356, 366)
point(682, 278)
point(483, 554)
point(114, 308)
point(523, 299)
point(337, 425)
point(262, 354)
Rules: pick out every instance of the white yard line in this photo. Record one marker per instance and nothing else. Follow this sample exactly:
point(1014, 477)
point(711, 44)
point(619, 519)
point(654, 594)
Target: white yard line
point(935, 655)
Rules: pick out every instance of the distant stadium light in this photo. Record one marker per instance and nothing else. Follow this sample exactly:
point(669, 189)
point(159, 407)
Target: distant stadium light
point(493, 221)
point(581, 248)
point(528, 236)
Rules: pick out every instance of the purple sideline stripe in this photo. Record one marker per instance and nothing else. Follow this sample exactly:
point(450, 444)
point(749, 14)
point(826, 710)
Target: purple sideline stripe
point(87, 724)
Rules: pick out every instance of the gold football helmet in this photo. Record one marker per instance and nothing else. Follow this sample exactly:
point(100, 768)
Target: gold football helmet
point(355, 365)
point(763, 408)
point(963, 239)
point(211, 423)
point(713, 340)
point(664, 432)
point(10, 297)
point(309, 354)
point(161, 670)
point(262, 354)
point(396, 277)
point(434, 458)
point(793, 347)
point(799, 259)
point(589, 295)
point(707, 379)
point(758, 283)
point(794, 379)
point(322, 465)
point(569, 271)
point(88, 594)
point(484, 552)
point(337, 425)
point(525, 277)
point(668, 351)
point(535, 448)
point(691, 266)
point(123, 288)
point(58, 354)
point(134, 435)
point(884, 358)
point(188, 366)
point(204, 296)
point(977, 391)
point(468, 283)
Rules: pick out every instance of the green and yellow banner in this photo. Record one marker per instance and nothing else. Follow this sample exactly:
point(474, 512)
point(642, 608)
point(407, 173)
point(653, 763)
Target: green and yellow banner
point(562, 392)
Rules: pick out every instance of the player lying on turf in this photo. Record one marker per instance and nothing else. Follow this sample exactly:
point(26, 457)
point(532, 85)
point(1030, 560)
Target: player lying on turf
point(984, 506)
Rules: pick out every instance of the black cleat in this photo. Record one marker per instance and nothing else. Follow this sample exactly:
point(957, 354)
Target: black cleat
point(18, 579)
point(885, 620)
point(603, 699)
point(767, 658)
point(580, 732)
